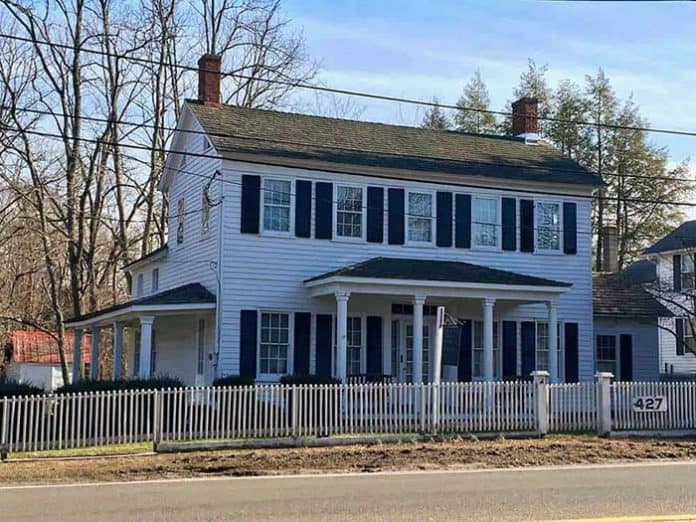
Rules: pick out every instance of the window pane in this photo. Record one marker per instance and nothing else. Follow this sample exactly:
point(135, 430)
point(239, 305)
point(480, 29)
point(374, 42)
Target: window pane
point(542, 346)
point(354, 347)
point(548, 226)
point(273, 350)
point(420, 212)
point(349, 211)
point(420, 204)
point(606, 353)
point(419, 229)
point(485, 221)
point(276, 205)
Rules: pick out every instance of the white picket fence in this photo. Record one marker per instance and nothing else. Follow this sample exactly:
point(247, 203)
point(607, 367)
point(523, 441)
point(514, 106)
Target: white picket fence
point(271, 411)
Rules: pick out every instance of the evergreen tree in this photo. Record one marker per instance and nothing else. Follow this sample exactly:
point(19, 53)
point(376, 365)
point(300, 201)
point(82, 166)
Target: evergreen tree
point(476, 97)
point(533, 84)
point(569, 105)
point(435, 118)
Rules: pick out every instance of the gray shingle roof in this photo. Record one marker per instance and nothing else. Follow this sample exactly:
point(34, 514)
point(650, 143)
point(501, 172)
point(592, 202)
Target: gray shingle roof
point(194, 293)
point(684, 236)
point(622, 295)
point(285, 137)
point(429, 270)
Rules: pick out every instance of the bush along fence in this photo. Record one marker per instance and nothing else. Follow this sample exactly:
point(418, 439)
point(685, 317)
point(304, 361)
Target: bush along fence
point(175, 415)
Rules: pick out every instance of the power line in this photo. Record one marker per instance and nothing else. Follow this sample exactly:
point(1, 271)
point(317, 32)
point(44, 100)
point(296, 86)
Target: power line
point(465, 185)
point(288, 142)
point(332, 90)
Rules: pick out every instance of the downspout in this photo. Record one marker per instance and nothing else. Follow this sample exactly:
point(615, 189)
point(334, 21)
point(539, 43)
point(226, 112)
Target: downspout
point(218, 301)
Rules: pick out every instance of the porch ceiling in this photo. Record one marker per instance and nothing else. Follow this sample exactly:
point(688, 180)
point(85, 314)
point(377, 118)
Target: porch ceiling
point(400, 276)
point(187, 298)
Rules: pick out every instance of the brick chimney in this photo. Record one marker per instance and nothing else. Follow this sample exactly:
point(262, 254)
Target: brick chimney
point(610, 248)
point(209, 79)
point(524, 118)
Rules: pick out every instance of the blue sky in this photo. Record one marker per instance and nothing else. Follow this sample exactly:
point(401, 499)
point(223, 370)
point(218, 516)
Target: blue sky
point(422, 49)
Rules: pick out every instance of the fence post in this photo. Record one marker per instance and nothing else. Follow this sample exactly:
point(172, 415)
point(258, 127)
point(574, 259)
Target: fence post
point(604, 403)
point(294, 413)
point(157, 419)
point(436, 408)
point(541, 401)
point(422, 406)
point(4, 430)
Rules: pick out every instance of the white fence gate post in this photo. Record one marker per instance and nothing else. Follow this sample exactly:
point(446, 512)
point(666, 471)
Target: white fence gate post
point(157, 419)
point(541, 401)
point(604, 403)
point(4, 430)
point(294, 412)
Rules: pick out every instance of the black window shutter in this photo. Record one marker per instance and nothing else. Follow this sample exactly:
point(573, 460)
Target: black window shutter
point(302, 335)
point(526, 225)
point(509, 224)
point(462, 221)
point(570, 228)
point(303, 208)
point(528, 347)
point(251, 204)
point(444, 219)
point(450, 345)
point(465, 354)
point(571, 352)
point(509, 348)
point(374, 344)
point(324, 345)
point(626, 355)
point(679, 330)
point(676, 272)
point(396, 216)
point(375, 214)
point(248, 343)
point(323, 227)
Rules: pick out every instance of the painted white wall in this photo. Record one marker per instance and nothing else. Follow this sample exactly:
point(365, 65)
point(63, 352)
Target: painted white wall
point(45, 376)
point(669, 360)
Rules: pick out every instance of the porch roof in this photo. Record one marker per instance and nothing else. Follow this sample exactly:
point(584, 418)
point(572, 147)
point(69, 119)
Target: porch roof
point(433, 276)
point(191, 296)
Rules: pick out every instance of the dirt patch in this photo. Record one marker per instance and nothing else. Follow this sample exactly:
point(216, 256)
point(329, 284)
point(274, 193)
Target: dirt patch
point(456, 454)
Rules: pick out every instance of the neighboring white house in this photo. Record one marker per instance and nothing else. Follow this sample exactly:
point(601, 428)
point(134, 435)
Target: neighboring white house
point(34, 359)
point(303, 244)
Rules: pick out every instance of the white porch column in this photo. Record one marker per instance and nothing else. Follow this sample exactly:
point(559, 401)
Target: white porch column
point(488, 339)
point(118, 350)
point(77, 355)
point(553, 341)
point(418, 302)
point(94, 354)
point(341, 334)
point(145, 345)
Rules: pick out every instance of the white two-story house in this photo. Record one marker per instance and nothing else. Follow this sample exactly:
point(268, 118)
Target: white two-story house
point(310, 245)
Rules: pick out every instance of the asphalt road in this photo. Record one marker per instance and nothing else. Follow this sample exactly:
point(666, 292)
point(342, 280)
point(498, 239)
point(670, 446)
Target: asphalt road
point(541, 494)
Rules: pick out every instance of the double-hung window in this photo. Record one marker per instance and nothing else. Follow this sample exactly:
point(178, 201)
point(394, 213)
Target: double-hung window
point(420, 217)
point(349, 212)
point(354, 347)
point(542, 347)
point(687, 270)
point(140, 285)
point(485, 221)
point(155, 280)
point(276, 205)
point(477, 355)
point(605, 353)
point(274, 344)
point(548, 225)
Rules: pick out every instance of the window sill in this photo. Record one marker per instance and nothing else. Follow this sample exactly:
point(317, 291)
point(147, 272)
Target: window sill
point(351, 240)
point(542, 252)
point(276, 234)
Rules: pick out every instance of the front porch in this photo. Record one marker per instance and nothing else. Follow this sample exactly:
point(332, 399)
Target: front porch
point(495, 311)
point(171, 334)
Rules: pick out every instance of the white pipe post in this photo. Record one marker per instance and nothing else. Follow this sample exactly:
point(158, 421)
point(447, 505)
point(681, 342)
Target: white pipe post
point(541, 401)
point(341, 335)
point(437, 365)
point(418, 302)
point(553, 342)
point(488, 339)
point(604, 403)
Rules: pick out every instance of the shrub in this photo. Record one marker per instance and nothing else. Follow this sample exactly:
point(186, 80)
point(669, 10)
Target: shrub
point(307, 379)
point(233, 380)
point(110, 385)
point(15, 389)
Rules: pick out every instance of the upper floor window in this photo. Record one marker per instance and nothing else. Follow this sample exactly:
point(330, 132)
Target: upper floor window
point(274, 344)
point(606, 353)
point(140, 285)
point(548, 225)
point(155, 280)
point(485, 221)
point(180, 210)
point(349, 211)
point(276, 205)
point(687, 271)
point(420, 217)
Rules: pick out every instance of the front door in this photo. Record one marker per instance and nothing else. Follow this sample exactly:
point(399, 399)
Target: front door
point(405, 351)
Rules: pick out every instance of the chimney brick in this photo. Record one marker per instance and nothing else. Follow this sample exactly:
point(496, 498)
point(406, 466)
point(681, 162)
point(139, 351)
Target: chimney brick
point(209, 79)
point(610, 248)
point(524, 116)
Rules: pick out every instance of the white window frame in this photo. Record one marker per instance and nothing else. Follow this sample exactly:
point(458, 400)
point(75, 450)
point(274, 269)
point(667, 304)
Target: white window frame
point(686, 259)
point(363, 218)
point(154, 282)
point(363, 348)
point(560, 347)
point(498, 223)
point(433, 218)
point(616, 352)
point(275, 377)
point(140, 285)
point(537, 248)
point(291, 225)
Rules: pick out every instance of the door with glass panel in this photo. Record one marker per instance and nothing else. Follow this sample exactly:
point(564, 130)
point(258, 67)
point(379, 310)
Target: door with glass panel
point(405, 340)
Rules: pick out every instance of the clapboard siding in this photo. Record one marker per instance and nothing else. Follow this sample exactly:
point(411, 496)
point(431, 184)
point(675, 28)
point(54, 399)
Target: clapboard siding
point(645, 345)
point(268, 272)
